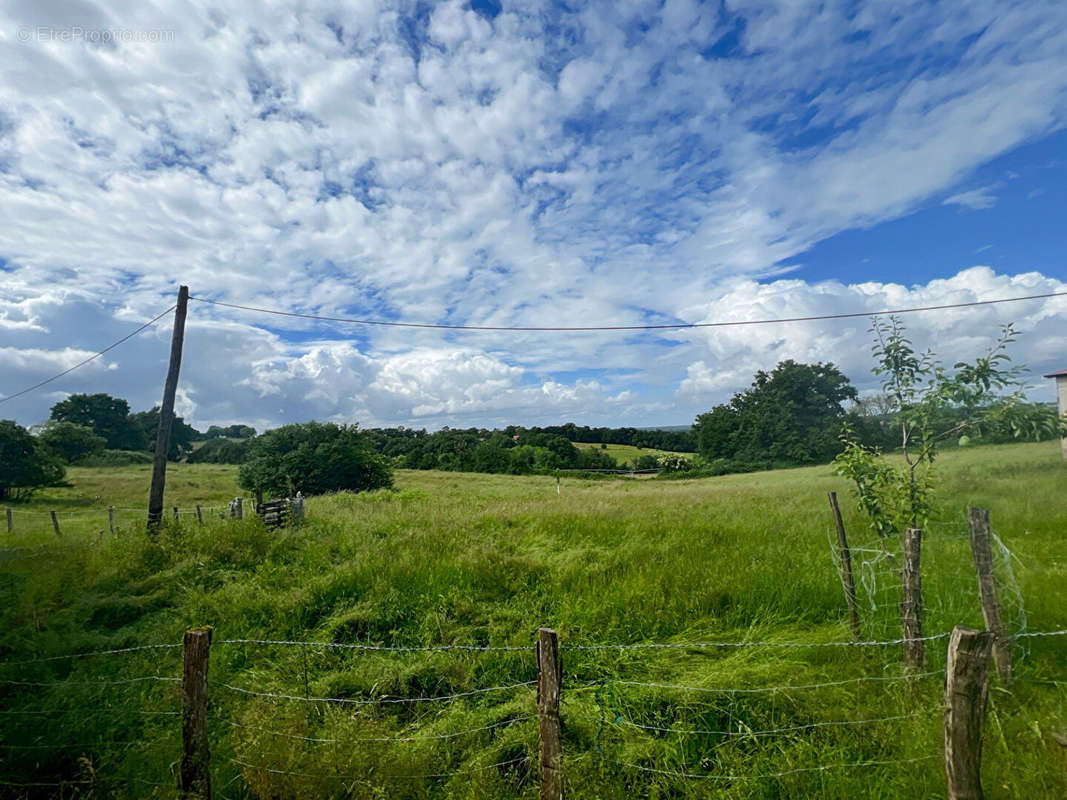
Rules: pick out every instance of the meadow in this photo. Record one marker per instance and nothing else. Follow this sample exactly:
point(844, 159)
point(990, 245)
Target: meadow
point(627, 454)
point(483, 561)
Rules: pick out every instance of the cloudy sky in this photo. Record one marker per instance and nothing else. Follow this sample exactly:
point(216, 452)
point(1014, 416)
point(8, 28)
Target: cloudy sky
point(518, 164)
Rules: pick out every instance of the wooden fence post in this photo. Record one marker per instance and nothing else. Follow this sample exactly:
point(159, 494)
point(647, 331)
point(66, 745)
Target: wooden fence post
point(966, 691)
point(196, 754)
point(981, 547)
point(240, 508)
point(199, 515)
point(10, 524)
point(55, 523)
point(911, 603)
point(111, 519)
point(846, 567)
point(175, 513)
point(549, 675)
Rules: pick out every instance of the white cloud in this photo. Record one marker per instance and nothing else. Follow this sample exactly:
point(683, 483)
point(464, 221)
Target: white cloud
point(976, 199)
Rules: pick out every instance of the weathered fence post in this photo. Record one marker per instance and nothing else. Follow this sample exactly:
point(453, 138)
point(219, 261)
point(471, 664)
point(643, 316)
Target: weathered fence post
point(846, 567)
point(298, 508)
point(10, 524)
point(175, 513)
point(240, 508)
point(55, 523)
point(911, 603)
point(199, 515)
point(111, 519)
point(966, 690)
point(196, 755)
point(549, 675)
point(981, 547)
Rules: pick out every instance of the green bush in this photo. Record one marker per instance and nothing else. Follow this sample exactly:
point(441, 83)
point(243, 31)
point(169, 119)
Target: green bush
point(313, 458)
point(25, 464)
point(70, 441)
point(220, 451)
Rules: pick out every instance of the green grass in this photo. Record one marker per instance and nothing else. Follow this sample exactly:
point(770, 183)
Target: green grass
point(451, 558)
point(627, 453)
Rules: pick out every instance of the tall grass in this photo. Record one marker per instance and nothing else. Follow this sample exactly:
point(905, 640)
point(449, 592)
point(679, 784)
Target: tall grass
point(452, 558)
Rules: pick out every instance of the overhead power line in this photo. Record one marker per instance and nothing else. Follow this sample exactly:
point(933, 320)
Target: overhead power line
point(112, 346)
point(665, 326)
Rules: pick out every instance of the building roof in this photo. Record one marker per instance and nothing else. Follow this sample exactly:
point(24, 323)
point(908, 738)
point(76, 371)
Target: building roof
point(1059, 374)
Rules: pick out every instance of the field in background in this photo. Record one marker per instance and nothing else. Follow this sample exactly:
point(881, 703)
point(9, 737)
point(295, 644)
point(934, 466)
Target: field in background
point(626, 453)
point(452, 558)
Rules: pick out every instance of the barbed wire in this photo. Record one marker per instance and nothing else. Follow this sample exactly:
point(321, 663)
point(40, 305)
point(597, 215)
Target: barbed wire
point(380, 701)
point(115, 651)
point(619, 720)
point(385, 648)
point(707, 645)
point(160, 678)
point(783, 688)
point(782, 774)
point(358, 778)
point(452, 735)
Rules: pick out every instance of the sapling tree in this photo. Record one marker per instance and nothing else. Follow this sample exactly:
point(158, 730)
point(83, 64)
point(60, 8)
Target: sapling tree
point(931, 405)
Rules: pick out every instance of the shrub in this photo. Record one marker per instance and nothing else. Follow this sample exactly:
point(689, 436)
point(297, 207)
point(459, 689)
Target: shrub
point(313, 458)
point(70, 441)
point(25, 464)
point(220, 451)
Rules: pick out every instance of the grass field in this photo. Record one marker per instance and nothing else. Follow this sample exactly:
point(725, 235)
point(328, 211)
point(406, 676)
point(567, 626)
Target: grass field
point(451, 558)
point(627, 453)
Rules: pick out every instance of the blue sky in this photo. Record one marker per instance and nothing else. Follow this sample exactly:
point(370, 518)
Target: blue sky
point(519, 164)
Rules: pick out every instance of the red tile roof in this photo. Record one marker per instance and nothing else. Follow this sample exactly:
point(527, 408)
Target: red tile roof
point(1061, 374)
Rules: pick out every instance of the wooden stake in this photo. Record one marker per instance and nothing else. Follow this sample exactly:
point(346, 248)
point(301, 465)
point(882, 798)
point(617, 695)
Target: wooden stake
point(981, 547)
point(166, 414)
point(240, 508)
point(196, 754)
point(549, 675)
point(966, 691)
point(111, 519)
point(55, 523)
point(846, 567)
point(175, 513)
point(199, 516)
point(911, 603)
point(10, 524)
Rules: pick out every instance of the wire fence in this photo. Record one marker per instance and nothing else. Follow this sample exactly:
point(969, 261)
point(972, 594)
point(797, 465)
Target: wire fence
point(265, 726)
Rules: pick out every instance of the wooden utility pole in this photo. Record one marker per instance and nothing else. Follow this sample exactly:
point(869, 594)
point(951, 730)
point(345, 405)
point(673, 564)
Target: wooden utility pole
point(166, 414)
point(911, 603)
point(549, 677)
point(982, 548)
point(846, 567)
point(966, 691)
point(196, 754)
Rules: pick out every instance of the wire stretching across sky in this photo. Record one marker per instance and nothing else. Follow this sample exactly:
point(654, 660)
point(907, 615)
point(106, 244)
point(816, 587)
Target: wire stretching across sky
point(110, 347)
point(664, 326)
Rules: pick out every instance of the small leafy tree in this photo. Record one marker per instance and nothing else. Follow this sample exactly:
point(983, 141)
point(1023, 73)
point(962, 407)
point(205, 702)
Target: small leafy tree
point(313, 458)
point(25, 464)
point(930, 405)
point(69, 441)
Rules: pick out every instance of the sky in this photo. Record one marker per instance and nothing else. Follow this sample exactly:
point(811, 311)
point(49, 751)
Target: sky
point(519, 164)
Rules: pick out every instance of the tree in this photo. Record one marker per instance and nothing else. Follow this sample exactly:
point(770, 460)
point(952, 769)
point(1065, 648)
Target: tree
point(182, 435)
point(220, 451)
point(108, 417)
point(792, 414)
point(313, 458)
point(932, 405)
point(70, 441)
point(25, 463)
